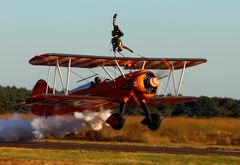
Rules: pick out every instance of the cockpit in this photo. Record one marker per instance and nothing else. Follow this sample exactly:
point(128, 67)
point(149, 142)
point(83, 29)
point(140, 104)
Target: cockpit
point(97, 81)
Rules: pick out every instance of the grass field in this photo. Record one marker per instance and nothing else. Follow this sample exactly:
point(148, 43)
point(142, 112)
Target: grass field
point(180, 131)
point(52, 157)
point(177, 130)
point(214, 131)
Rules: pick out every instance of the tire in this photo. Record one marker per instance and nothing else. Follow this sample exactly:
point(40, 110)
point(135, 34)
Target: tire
point(116, 120)
point(155, 121)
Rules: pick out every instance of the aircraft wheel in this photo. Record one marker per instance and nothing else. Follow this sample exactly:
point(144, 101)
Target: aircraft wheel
point(155, 121)
point(116, 120)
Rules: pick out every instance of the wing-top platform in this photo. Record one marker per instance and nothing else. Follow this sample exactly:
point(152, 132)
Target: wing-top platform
point(87, 61)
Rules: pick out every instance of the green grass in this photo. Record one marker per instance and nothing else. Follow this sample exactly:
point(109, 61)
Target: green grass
point(29, 156)
point(191, 145)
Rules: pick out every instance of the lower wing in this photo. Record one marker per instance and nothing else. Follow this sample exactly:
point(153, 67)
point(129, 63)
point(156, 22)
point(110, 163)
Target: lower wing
point(78, 101)
point(162, 101)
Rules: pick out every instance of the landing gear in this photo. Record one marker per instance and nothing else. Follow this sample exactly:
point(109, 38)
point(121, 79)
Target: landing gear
point(152, 120)
point(117, 120)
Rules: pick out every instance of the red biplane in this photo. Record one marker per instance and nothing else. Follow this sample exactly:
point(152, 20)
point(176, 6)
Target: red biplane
point(137, 88)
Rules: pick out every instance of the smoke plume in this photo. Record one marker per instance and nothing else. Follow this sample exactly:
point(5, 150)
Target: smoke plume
point(57, 126)
point(17, 129)
point(94, 119)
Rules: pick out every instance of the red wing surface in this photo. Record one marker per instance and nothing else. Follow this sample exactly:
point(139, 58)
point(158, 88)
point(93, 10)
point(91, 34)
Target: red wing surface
point(162, 101)
point(80, 102)
point(86, 61)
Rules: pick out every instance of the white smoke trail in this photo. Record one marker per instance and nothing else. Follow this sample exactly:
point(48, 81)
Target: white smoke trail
point(58, 126)
point(94, 119)
point(15, 129)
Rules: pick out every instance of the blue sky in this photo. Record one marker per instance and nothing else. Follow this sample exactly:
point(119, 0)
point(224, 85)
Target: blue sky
point(187, 28)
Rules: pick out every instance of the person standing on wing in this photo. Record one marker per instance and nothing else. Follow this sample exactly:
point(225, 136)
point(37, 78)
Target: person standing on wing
point(116, 40)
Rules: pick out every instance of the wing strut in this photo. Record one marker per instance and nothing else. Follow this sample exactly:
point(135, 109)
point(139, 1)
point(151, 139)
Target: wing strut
point(48, 79)
point(120, 70)
point(68, 76)
point(169, 76)
point(181, 78)
point(173, 77)
point(143, 66)
point(58, 71)
point(55, 80)
point(172, 74)
point(108, 73)
point(60, 75)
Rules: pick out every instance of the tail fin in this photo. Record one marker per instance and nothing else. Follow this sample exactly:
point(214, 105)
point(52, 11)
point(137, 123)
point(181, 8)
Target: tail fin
point(40, 87)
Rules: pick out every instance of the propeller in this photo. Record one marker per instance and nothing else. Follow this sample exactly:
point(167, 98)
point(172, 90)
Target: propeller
point(160, 74)
point(150, 82)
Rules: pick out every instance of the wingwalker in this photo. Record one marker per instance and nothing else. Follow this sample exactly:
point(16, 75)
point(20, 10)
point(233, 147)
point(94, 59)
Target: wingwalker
point(136, 86)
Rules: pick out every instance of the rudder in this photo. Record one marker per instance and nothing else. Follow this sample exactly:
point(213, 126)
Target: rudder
point(40, 87)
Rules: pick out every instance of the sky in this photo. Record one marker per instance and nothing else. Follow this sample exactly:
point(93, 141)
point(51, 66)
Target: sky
point(155, 28)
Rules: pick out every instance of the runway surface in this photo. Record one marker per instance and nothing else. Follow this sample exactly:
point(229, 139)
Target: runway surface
point(84, 147)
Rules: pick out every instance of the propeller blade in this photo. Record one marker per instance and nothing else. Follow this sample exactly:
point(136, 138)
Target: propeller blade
point(162, 77)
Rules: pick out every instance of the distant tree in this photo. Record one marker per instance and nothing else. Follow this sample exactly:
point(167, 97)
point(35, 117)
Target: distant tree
point(205, 107)
point(178, 110)
point(235, 110)
point(10, 98)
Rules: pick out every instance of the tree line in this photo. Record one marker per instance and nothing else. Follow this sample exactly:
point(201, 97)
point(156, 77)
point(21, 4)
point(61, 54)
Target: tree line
point(205, 107)
point(11, 97)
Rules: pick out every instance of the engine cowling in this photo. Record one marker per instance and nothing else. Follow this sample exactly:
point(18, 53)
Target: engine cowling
point(146, 84)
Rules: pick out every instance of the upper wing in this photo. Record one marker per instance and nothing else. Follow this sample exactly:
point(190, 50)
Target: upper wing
point(86, 61)
point(162, 101)
point(78, 101)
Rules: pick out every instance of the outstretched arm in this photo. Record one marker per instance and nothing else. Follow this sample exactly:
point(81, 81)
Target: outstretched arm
point(114, 31)
point(114, 19)
point(127, 48)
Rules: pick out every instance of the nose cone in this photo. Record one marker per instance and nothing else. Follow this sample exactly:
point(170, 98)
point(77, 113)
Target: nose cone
point(154, 81)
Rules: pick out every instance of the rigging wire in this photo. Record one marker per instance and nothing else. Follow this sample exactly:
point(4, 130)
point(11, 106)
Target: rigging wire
point(79, 75)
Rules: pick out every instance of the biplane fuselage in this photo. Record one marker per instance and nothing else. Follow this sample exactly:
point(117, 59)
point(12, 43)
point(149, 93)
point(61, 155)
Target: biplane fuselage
point(132, 87)
point(129, 87)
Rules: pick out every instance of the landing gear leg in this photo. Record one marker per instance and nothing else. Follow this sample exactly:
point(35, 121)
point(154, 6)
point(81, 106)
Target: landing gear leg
point(117, 120)
point(152, 120)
